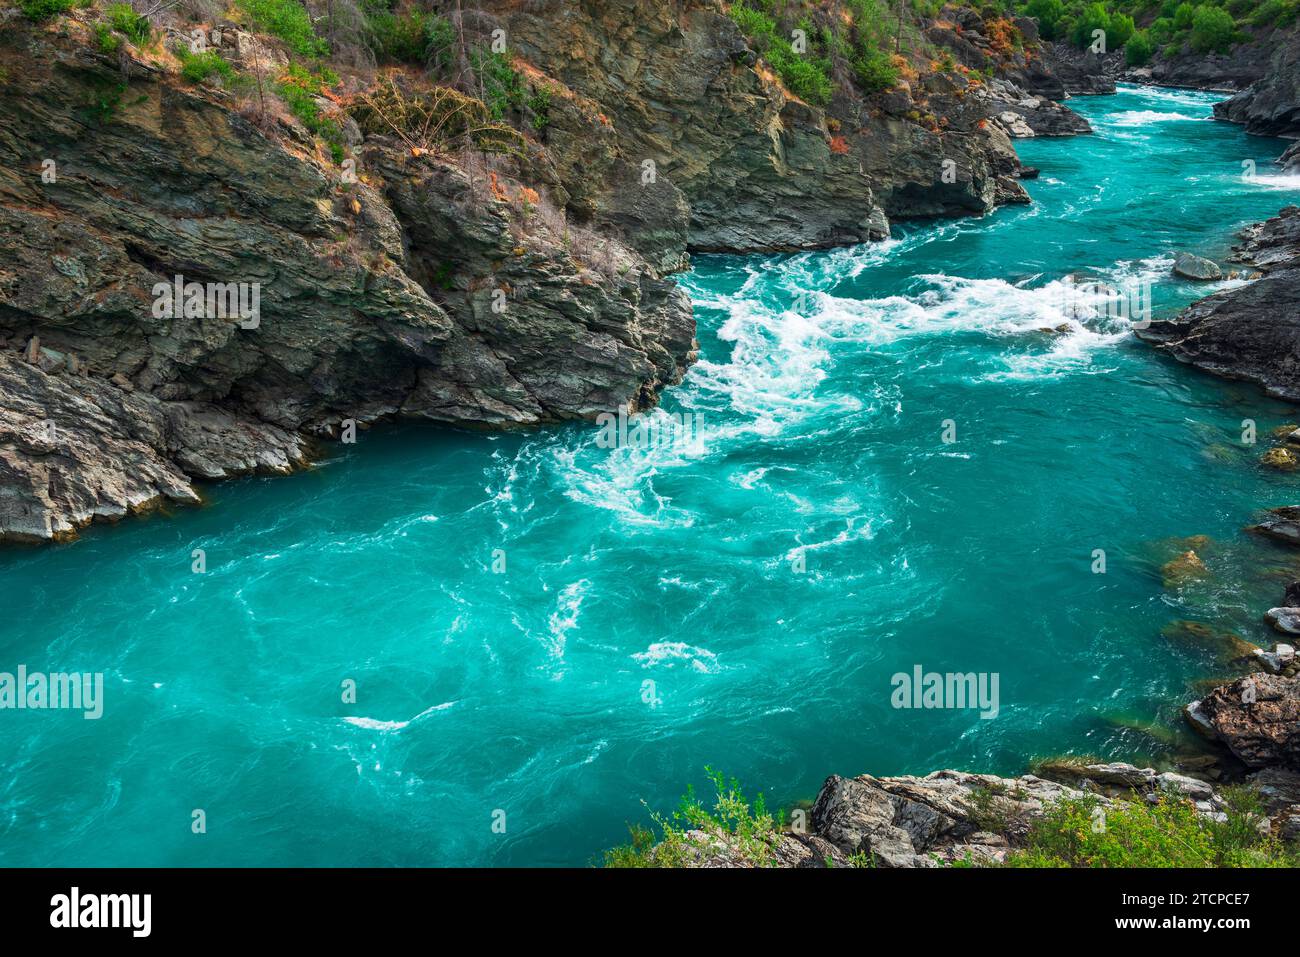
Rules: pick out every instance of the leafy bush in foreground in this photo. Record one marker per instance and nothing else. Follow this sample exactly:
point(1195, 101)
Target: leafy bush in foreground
point(749, 831)
point(1135, 833)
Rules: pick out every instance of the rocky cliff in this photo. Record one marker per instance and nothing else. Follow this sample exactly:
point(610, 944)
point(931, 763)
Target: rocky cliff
point(420, 291)
point(760, 168)
point(1270, 106)
point(147, 208)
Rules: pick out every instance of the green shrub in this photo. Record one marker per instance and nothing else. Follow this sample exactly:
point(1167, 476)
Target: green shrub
point(1091, 18)
point(40, 10)
point(1139, 49)
point(1184, 13)
point(197, 67)
point(299, 89)
point(749, 831)
point(288, 20)
point(1277, 13)
point(503, 87)
point(123, 18)
point(539, 104)
point(1119, 31)
point(440, 45)
point(107, 40)
point(806, 76)
point(875, 71)
point(1049, 14)
point(1161, 31)
point(1213, 30)
point(415, 36)
point(1135, 833)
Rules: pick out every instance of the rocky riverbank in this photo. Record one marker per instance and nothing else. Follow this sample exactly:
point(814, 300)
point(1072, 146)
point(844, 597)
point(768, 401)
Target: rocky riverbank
point(953, 817)
point(1249, 331)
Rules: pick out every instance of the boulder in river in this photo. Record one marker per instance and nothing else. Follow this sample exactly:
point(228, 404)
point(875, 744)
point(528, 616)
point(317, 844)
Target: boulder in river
point(1248, 331)
point(1257, 717)
point(1190, 266)
point(1279, 660)
point(1285, 620)
point(1283, 525)
point(1280, 457)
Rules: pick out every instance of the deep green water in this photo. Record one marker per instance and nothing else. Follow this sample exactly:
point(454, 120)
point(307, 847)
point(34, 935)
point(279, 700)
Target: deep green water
point(821, 438)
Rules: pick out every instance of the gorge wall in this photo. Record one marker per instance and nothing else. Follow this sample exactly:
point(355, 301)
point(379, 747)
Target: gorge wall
point(438, 284)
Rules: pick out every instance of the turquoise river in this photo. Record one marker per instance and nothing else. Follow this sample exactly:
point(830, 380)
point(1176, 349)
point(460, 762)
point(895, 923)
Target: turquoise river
point(739, 600)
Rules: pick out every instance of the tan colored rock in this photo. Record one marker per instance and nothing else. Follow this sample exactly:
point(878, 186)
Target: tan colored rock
point(1280, 457)
point(1184, 569)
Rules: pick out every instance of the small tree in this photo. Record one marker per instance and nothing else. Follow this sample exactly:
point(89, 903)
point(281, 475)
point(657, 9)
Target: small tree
point(1138, 50)
point(1213, 30)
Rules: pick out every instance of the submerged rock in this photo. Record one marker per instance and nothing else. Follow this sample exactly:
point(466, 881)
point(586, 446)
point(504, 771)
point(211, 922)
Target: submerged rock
point(1183, 569)
point(1280, 457)
point(1228, 646)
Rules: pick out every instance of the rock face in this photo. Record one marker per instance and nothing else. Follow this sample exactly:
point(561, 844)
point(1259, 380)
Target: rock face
point(1082, 71)
point(1271, 105)
point(1243, 65)
point(375, 301)
point(1251, 332)
point(760, 169)
point(1257, 717)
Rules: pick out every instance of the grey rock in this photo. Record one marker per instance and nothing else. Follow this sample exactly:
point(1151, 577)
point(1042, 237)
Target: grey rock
point(1188, 787)
point(1278, 660)
point(1285, 620)
point(1190, 266)
point(1283, 525)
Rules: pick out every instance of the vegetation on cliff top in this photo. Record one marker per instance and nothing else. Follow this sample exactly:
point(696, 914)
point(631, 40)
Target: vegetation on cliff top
point(1172, 27)
point(321, 41)
point(810, 45)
